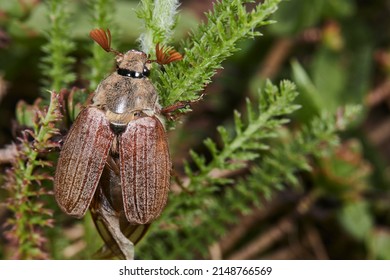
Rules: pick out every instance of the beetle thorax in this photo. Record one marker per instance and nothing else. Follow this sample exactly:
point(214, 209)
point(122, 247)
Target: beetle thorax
point(127, 90)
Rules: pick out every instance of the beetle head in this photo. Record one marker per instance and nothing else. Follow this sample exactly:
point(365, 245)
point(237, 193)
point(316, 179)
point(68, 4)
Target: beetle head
point(133, 63)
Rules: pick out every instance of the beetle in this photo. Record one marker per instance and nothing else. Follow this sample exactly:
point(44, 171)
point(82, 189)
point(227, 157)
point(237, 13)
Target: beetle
point(115, 158)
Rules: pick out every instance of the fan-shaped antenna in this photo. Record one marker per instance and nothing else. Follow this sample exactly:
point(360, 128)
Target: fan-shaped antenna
point(103, 38)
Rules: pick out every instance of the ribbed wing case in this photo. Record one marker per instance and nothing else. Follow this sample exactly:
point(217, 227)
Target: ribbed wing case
point(145, 169)
point(81, 161)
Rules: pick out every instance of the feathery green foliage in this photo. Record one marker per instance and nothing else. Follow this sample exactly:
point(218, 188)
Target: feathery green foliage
point(211, 197)
point(25, 179)
point(159, 17)
point(97, 65)
point(199, 215)
point(245, 145)
point(209, 45)
point(56, 65)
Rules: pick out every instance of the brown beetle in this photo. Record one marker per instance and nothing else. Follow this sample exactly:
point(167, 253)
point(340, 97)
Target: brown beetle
point(115, 158)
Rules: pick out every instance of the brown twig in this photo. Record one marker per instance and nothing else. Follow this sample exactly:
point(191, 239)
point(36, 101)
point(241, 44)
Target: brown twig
point(292, 251)
point(275, 58)
point(285, 226)
point(315, 242)
point(247, 222)
point(218, 249)
point(378, 94)
point(78, 244)
point(215, 251)
point(380, 133)
point(3, 87)
point(311, 247)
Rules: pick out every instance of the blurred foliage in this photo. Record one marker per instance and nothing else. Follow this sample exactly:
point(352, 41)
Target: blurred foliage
point(317, 196)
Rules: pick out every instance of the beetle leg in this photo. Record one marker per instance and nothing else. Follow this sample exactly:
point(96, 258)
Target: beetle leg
point(167, 111)
point(107, 222)
point(111, 222)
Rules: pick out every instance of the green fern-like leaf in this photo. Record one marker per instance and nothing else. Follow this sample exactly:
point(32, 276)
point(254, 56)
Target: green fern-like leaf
point(203, 218)
point(160, 19)
point(208, 46)
point(246, 143)
point(56, 64)
point(100, 63)
point(23, 183)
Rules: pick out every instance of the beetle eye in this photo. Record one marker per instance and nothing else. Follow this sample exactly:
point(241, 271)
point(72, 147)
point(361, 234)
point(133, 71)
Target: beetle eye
point(146, 72)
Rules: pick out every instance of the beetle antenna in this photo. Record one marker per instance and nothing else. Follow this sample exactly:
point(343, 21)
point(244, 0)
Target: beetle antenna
point(103, 38)
point(165, 55)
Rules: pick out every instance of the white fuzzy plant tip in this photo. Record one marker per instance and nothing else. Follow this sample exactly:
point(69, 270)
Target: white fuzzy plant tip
point(162, 23)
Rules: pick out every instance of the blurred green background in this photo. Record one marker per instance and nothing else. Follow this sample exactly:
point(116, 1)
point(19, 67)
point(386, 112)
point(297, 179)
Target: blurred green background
point(336, 51)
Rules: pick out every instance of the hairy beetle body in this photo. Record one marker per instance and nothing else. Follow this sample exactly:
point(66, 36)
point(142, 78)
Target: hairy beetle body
point(120, 124)
point(115, 159)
